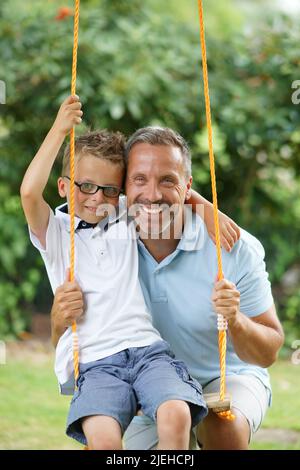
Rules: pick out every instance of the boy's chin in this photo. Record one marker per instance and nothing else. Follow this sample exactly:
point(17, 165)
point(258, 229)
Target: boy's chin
point(87, 216)
point(92, 219)
point(104, 210)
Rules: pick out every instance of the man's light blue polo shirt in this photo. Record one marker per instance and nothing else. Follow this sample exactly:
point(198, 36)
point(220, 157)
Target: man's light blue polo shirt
point(178, 293)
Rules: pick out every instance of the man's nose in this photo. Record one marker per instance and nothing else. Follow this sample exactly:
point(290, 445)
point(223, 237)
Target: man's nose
point(152, 192)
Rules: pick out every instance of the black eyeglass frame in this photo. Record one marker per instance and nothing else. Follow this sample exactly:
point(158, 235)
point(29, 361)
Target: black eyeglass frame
point(103, 188)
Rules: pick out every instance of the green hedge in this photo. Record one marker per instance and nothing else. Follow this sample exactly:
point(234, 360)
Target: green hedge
point(138, 66)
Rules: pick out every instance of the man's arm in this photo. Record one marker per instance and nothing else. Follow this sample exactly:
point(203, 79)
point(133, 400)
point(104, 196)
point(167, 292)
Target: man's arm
point(229, 230)
point(256, 340)
point(36, 177)
point(67, 307)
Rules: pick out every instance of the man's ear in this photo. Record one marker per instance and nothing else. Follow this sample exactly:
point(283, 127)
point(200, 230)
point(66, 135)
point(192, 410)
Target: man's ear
point(189, 188)
point(62, 187)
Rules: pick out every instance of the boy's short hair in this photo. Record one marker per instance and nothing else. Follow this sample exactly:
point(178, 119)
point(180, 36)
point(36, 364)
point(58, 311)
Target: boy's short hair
point(102, 144)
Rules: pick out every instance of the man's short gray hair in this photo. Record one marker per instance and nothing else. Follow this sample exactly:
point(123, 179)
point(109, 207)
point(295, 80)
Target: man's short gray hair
point(155, 135)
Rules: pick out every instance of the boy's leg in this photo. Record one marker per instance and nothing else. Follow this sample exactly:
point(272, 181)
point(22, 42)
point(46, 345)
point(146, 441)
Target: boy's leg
point(173, 425)
point(103, 392)
point(102, 433)
point(163, 384)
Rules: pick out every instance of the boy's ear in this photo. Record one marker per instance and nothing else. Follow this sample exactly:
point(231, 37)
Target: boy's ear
point(189, 188)
point(62, 187)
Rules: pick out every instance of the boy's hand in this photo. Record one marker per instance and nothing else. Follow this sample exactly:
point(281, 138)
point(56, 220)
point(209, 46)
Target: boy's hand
point(69, 115)
point(67, 307)
point(229, 230)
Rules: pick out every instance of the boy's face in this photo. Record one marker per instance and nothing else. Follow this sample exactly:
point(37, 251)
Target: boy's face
point(90, 169)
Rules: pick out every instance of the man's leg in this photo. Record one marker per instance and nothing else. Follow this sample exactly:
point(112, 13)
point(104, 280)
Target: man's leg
point(215, 433)
point(250, 400)
point(142, 435)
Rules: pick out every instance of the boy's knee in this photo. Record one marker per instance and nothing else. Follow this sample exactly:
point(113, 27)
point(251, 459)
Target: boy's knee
point(102, 433)
point(175, 415)
point(104, 443)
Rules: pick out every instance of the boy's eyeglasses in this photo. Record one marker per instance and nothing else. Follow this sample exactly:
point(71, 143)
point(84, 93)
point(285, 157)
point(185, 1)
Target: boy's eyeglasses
point(91, 188)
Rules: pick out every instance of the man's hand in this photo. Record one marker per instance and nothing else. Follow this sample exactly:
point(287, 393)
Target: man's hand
point(67, 308)
point(256, 340)
point(68, 116)
point(226, 300)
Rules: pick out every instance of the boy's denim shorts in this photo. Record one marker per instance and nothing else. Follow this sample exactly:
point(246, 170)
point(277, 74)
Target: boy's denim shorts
point(136, 378)
point(249, 396)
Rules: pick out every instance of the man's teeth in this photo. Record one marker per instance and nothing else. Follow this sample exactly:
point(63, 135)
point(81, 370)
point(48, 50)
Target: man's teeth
point(151, 211)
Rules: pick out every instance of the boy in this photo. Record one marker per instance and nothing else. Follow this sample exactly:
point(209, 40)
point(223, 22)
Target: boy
point(124, 363)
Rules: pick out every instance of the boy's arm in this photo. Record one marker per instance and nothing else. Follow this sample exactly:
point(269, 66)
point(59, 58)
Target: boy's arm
point(229, 230)
point(36, 177)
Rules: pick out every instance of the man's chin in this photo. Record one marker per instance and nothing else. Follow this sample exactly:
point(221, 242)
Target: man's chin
point(154, 230)
point(166, 227)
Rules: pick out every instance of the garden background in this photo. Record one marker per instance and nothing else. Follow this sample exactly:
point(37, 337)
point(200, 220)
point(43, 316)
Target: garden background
point(139, 64)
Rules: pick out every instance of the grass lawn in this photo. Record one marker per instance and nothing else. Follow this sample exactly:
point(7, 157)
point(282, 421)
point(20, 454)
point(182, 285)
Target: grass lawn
point(33, 413)
point(285, 411)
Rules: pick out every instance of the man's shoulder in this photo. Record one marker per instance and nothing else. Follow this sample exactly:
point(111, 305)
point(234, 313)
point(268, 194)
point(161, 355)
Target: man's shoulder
point(247, 255)
point(249, 244)
point(247, 247)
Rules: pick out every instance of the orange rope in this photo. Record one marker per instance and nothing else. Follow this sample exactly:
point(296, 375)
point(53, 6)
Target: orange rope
point(72, 188)
point(222, 334)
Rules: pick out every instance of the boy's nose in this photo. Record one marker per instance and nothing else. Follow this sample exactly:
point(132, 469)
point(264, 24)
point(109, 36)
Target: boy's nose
point(98, 197)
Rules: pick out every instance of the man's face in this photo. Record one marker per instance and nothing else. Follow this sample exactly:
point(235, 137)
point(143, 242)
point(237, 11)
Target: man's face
point(89, 169)
point(156, 181)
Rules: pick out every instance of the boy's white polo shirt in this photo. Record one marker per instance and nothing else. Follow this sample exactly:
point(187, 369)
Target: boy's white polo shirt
point(106, 268)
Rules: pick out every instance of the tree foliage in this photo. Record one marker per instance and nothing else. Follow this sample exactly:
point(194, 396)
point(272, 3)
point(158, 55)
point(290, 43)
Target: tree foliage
point(139, 67)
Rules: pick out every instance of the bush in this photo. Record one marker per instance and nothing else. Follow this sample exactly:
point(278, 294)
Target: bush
point(137, 67)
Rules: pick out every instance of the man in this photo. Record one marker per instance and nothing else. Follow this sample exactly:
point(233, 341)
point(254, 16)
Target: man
point(177, 271)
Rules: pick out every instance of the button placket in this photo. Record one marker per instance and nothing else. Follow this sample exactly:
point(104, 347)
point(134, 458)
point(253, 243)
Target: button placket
point(99, 247)
point(101, 252)
point(158, 295)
